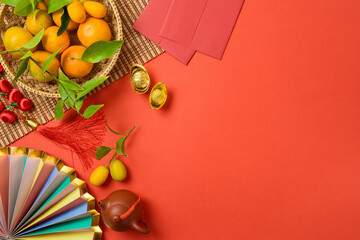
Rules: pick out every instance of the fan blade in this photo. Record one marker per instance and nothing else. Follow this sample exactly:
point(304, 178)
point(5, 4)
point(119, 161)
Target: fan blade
point(17, 163)
point(42, 177)
point(63, 236)
point(77, 212)
point(4, 190)
point(54, 182)
point(78, 225)
point(31, 168)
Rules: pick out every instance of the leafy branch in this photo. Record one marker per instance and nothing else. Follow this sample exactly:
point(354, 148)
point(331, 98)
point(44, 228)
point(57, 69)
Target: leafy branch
point(102, 151)
point(25, 7)
point(72, 94)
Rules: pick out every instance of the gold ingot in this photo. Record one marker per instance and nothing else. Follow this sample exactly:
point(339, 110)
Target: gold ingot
point(140, 79)
point(158, 96)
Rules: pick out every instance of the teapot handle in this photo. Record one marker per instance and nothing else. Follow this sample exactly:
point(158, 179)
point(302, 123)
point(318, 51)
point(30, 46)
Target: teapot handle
point(141, 229)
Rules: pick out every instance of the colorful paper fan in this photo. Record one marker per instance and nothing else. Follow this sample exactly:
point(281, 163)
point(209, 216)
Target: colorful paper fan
point(40, 198)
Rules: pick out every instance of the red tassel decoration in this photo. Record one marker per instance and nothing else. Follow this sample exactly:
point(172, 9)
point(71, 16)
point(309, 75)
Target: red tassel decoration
point(81, 136)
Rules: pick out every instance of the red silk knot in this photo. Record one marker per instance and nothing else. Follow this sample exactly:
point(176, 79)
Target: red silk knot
point(14, 96)
point(1, 106)
point(7, 116)
point(5, 86)
point(25, 104)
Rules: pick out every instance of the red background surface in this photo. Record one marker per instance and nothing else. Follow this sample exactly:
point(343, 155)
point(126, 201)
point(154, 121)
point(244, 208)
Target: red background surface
point(261, 145)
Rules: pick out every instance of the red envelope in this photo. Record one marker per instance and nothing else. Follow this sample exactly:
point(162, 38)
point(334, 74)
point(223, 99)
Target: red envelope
point(150, 23)
point(182, 20)
point(212, 30)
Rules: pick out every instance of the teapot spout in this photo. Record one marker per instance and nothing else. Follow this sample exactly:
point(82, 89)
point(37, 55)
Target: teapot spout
point(102, 204)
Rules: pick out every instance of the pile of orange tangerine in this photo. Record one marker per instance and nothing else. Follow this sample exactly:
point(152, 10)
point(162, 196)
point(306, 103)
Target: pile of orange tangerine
point(86, 17)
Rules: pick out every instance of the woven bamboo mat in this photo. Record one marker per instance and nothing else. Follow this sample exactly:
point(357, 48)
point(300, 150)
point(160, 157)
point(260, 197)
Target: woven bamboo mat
point(136, 49)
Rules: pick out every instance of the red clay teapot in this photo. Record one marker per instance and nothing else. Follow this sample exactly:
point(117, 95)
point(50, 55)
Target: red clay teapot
point(123, 210)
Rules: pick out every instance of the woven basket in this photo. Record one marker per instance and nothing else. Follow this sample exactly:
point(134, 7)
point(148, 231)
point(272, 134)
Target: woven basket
point(9, 19)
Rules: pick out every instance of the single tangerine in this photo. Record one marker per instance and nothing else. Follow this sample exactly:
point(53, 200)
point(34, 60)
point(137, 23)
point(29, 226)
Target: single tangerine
point(52, 42)
point(38, 20)
point(95, 9)
point(93, 30)
point(16, 37)
point(37, 73)
point(57, 19)
point(76, 11)
point(73, 67)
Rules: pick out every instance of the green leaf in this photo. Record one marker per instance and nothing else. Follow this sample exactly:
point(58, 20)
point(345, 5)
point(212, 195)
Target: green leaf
point(28, 54)
point(90, 85)
point(69, 102)
point(34, 41)
point(48, 60)
point(101, 152)
point(10, 2)
point(57, 4)
point(120, 146)
point(23, 8)
point(67, 83)
point(113, 131)
point(22, 68)
point(67, 95)
point(62, 75)
point(59, 110)
point(78, 104)
point(91, 110)
point(65, 21)
point(101, 50)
